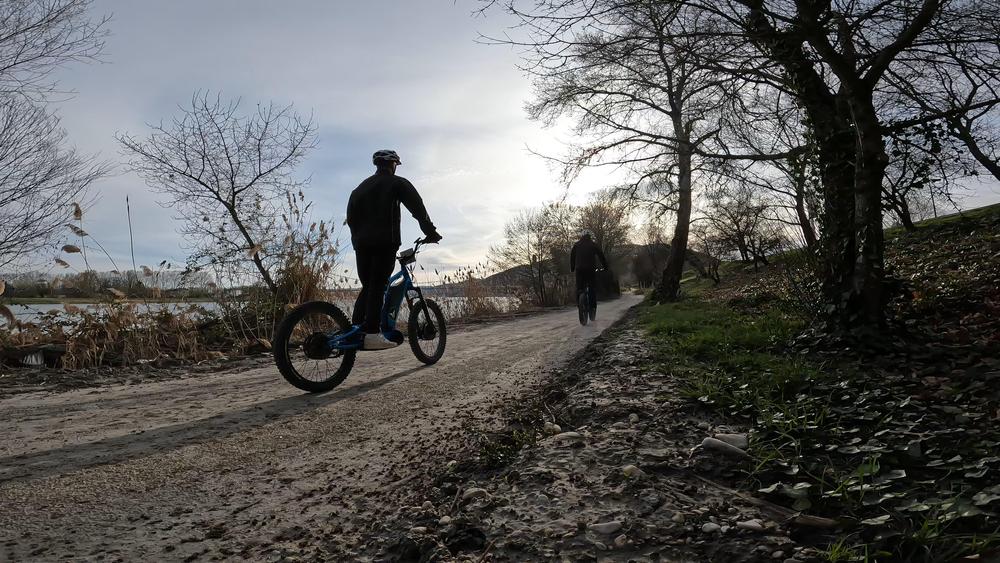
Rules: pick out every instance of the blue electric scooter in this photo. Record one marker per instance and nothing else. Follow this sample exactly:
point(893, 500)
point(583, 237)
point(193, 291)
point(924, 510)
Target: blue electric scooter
point(315, 345)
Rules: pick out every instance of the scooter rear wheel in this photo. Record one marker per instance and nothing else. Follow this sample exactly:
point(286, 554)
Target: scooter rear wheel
point(301, 349)
point(583, 305)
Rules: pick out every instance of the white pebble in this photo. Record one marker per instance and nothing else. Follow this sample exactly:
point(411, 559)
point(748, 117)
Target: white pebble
point(606, 527)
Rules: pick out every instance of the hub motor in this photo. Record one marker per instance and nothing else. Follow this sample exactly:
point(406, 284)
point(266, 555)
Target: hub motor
point(317, 346)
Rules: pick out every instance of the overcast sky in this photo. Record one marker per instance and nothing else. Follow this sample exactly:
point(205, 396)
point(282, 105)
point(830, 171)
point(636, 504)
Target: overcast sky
point(401, 74)
point(388, 74)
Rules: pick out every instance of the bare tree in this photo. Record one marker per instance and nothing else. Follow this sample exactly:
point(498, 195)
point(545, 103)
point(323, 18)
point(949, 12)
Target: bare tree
point(560, 220)
point(608, 218)
point(647, 265)
point(632, 76)
point(227, 175)
point(956, 83)
point(536, 250)
point(709, 249)
point(740, 225)
point(926, 163)
point(980, 133)
point(39, 179)
point(37, 36)
point(858, 70)
point(525, 251)
point(844, 62)
point(792, 183)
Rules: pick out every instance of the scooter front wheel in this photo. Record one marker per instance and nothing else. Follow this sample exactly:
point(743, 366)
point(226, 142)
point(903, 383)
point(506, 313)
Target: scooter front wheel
point(302, 351)
point(427, 331)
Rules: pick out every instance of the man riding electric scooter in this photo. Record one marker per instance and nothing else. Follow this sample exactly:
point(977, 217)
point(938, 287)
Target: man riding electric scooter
point(373, 217)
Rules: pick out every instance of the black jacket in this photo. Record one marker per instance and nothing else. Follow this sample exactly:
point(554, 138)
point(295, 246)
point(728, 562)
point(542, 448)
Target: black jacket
point(585, 254)
point(373, 210)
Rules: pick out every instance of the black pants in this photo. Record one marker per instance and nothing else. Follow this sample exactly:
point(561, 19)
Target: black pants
point(584, 279)
point(375, 265)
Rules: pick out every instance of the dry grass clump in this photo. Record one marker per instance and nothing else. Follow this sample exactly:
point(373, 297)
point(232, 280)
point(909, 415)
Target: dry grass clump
point(303, 263)
point(114, 332)
point(479, 301)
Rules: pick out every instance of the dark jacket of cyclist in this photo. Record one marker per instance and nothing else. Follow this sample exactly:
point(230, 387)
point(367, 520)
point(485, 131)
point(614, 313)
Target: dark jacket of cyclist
point(373, 217)
point(583, 260)
point(373, 210)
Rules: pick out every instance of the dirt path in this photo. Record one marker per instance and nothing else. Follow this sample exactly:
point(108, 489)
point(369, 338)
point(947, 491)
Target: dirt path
point(244, 464)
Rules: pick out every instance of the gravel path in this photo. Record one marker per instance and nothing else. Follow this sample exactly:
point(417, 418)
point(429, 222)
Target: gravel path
point(245, 466)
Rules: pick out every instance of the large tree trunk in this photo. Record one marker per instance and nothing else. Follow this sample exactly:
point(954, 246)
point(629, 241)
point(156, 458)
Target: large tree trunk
point(870, 167)
point(839, 250)
point(852, 166)
point(670, 282)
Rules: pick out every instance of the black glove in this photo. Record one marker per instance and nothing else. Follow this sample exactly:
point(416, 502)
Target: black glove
point(432, 238)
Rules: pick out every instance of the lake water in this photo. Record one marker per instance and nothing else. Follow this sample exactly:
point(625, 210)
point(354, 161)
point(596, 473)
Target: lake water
point(28, 313)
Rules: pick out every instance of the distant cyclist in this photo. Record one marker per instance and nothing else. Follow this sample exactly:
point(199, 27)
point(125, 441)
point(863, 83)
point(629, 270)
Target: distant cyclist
point(583, 260)
point(373, 216)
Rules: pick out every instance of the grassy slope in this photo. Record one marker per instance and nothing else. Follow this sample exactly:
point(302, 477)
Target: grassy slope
point(902, 448)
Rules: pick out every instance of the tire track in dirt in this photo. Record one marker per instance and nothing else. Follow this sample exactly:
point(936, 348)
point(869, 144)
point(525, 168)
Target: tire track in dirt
point(242, 463)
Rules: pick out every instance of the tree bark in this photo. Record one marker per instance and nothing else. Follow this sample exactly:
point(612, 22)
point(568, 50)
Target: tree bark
point(905, 217)
point(670, 282)
point(870, 165)
point(839, 249)
point(805, 223)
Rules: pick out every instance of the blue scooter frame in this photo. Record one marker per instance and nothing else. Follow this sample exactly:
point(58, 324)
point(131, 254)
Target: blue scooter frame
point(399, 287)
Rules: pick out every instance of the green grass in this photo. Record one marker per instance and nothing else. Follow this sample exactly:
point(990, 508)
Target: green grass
point(971, 215)
point(730, 359)
point(712, 331)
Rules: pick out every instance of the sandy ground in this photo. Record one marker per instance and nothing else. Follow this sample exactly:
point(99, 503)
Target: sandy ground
point(612, 473)
point(245, 466)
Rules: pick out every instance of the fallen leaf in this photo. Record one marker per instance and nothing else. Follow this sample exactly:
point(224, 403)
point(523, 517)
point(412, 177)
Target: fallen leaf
point(877, 521)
